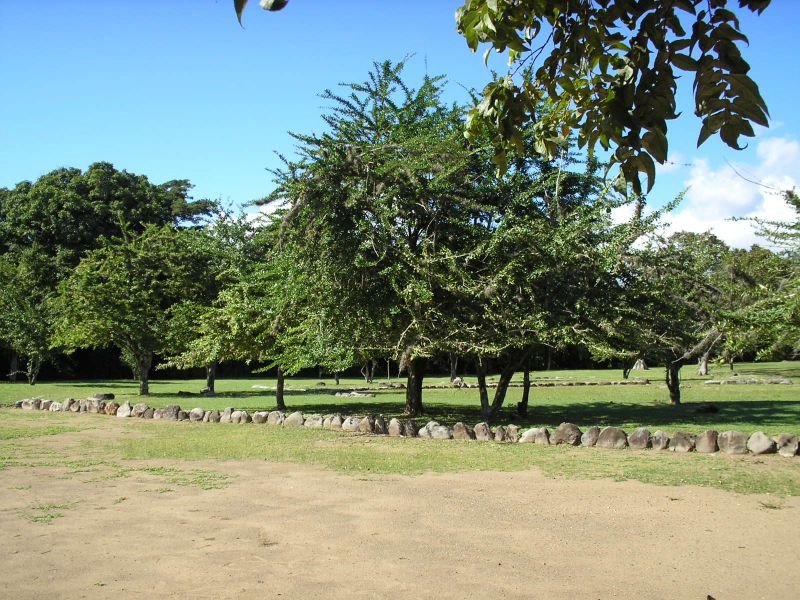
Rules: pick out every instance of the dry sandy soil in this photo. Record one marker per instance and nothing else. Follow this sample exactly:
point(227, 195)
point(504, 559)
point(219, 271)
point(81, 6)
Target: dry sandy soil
point(277, 530)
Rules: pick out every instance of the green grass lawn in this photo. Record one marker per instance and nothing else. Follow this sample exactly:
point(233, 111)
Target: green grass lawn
point(771, 408)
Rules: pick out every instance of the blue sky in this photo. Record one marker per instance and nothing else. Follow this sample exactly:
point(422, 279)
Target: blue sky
point(176, 89)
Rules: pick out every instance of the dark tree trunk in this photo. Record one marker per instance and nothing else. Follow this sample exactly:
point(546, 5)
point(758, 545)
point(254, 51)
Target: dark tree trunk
point(481, 368)
point(548, 365)
point(34, 365)
point(211, 377)
point(453, 367)
point(279, 384)
point(13, 367)
point(143, 362)
point(626, 371)
point(513, 363)
point(416, 373)
point(522, 407)
point(673, 379)
point(388, 370)
point(336, 378)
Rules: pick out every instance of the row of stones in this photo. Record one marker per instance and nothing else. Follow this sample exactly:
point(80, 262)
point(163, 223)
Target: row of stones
point(729, 442)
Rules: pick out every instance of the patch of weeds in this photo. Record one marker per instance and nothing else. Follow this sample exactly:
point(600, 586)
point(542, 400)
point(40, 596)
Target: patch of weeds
point(772, 505)
point(15, 433)
point(47, 513)
point(119, 500)
point(205, 480)
point(22, 487)
point(164, 490)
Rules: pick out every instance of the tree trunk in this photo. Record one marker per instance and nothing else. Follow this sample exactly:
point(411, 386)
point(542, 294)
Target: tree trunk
point(673, 379)
point(702, 364)
point(481, 367)
point(336, 377)
point(279, 401)
point(388, 370)
point(143, 362)
point(548, 365)
point(522, 407)
point(211, 377)
point(34, 365)
point(453, 367)
point(13, 367)
point(416, 373)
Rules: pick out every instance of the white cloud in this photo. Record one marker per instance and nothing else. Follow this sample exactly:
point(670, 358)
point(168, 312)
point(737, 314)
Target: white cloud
point(739, 190)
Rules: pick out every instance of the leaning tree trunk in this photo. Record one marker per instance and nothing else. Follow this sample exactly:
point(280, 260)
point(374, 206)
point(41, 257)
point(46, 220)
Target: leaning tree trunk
point(416, 373)
point(143, 363)
point(702, 364)
point(211, 377)
point(522, 407)
point(13, 367)
point(279, 385)
point(34, 365)
point(673, 379)
point(481, 368)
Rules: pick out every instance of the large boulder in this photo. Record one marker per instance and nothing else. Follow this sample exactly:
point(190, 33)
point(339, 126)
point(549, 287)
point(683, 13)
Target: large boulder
point(197, 414)
point(682, 442)
point(589, 437)
point(380, 425)
point(639, 439)
point(463, 432)
point(500, 434)
point(148, 414)
point(512, 433)
point(351, 423)
point(294, 419)
point(313, 422)
point(275, 417)
point(139, 409)
point(212, 416)
point(45, 404)
point(183, 415)
point(367, 424)
point(612, 437)
point(260, 417)
point(225, 417)
point(335, 423)
point(541, 435)
point(483, 432)
point(761, 443)
point(124, 410)
point(171, 412)
point(395, 428)
point(706, 442)
point(566, 433)
point(441, 432)
point(409, 428)
point(787, 444)
point(55, 407)
point(66, 405)
point(659, 440)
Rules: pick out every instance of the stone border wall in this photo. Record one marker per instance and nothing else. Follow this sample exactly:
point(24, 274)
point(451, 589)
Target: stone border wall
point(728, 442)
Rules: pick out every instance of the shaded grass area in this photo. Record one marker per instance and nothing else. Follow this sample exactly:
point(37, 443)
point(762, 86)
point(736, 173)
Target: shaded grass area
point(106, 452)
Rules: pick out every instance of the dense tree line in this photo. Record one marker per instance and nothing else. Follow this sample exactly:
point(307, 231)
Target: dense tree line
point(395, 239)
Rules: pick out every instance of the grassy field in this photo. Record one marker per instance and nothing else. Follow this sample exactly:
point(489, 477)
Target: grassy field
point(768, 407)
point(109, 445)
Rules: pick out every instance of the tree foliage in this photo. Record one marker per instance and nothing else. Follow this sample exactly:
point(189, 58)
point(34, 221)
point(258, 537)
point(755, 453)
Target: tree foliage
point(608, 72)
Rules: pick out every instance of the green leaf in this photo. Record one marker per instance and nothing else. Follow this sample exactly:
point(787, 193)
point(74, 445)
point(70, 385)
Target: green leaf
point(683, 62)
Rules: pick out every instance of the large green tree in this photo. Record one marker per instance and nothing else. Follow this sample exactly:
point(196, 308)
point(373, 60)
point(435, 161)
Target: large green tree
point(381, 208)
point(120, 295)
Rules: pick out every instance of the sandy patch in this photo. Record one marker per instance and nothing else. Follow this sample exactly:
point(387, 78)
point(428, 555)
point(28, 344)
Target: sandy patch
point(267, 530)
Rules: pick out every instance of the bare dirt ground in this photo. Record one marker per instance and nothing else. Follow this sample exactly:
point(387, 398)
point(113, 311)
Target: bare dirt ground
point(288, 531)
